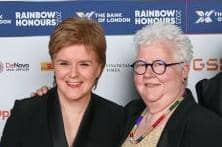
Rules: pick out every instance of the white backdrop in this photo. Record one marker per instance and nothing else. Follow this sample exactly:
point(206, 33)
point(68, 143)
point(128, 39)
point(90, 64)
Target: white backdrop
point(116, 81)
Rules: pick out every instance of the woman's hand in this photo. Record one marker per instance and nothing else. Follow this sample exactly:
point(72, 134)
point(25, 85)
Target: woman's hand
point(41, 91)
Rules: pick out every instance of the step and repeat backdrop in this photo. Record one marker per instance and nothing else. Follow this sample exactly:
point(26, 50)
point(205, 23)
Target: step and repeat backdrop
point(24, 34)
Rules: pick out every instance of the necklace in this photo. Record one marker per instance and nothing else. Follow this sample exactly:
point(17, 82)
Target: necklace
point(154, 125)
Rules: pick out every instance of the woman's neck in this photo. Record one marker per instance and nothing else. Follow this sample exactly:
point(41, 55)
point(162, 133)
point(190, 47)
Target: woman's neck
point(74, 106)
point(72, 113)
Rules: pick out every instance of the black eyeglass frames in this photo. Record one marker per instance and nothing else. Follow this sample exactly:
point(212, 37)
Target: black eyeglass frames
point(158, 66)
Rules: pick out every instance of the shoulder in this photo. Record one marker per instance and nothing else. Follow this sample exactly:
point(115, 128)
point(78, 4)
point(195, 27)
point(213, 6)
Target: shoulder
point(106, 111)
point(25, 114)
point(36, 103)
point(102, 103)
point(204, 127)
point(29, 102)
point(32, 101)
point(204, 116)
point(198, 125)
point(197, 114)
point(204, 123)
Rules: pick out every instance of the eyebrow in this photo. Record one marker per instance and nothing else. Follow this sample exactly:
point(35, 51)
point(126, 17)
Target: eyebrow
point(85, 61)
point(63, 60)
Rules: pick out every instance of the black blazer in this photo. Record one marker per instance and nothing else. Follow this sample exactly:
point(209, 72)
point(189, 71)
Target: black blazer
point(37, 122)
point(209, 93)
point(190, 125)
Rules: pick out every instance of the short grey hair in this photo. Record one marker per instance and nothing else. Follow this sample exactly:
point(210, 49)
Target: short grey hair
point(164, 31)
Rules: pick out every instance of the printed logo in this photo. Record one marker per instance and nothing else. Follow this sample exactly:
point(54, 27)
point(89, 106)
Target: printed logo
point(204, 17)
point(211, 64)
point(37, 18)
point(116, 67)
point(144, 17)
point(85, 15)
point(105, 17)
point(4, 114)
point(46, 66)
point(4, 21)
point(17, 67)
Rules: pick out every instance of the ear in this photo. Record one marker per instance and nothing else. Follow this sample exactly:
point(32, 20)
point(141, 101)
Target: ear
point(99, 70)
point(186, 69)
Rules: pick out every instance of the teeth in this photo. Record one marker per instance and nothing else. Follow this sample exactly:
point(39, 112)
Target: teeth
point(151, 84)
point(74, 83)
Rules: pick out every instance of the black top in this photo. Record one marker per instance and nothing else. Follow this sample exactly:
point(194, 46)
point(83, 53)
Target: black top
point(190, 125)
point(37, 122)
point(209, 92)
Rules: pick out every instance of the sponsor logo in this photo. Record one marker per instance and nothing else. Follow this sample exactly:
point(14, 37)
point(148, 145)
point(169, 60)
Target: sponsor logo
point(1, 67)
point(37, 18)
point(117, 67)
point(207, 17)
point(144, 17)
point(16, 66)
point(105, 17)
point(204, 17)
point(211, 64)
point(46, 66)
point(85, 15)
point(4, 21)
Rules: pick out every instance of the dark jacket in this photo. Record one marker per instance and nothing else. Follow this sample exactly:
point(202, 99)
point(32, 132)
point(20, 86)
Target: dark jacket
point(190, 125)
point(37, 122)
point(209, 93)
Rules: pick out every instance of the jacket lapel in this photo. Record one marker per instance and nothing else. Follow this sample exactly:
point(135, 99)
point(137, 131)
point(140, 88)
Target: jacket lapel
point(132, 111)
point(172, 134)
point(55, 121)
point(85, 124)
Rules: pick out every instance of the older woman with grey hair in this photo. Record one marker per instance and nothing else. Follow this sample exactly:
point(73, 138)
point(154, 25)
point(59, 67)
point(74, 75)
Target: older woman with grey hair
point(167, 114)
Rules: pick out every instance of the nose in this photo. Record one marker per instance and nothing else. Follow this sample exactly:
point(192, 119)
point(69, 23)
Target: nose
point(148, 72)
point(73, 71)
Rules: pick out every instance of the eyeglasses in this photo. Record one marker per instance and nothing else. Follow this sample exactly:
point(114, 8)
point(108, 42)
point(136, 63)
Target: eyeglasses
point(158, 66)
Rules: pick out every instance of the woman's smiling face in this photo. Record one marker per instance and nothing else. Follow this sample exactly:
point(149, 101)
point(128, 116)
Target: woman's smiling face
point(76, 71)
point(154, 87)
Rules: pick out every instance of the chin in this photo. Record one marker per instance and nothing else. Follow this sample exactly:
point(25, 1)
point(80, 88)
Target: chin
point(151, 97)
point(73, 98)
